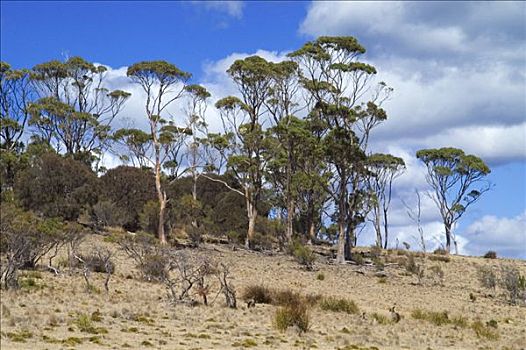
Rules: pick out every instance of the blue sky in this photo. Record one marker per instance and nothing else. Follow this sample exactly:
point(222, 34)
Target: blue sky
point(458, 71)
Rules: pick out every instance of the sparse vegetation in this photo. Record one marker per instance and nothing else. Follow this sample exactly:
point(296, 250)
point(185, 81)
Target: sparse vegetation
point(339, 305)
point(293, 315)
point(484, 331)
point(487, 277)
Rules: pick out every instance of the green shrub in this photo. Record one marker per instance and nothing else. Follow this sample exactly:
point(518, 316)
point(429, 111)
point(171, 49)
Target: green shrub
point(303, 255)
point(339, 305)
point(293, 315)
point(320, 276)
point(20, 336)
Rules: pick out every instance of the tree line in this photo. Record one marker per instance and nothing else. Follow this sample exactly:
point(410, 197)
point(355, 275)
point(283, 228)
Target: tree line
point(292, 157)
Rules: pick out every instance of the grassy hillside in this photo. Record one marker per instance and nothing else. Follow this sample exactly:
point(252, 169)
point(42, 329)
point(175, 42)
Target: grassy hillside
point(443, 308)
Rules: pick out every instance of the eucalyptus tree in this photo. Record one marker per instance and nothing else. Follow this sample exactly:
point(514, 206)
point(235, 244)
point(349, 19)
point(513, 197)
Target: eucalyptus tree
point(384, 169)
point(163, 84)
point(16, 92)
point(290, 134)
point(457, 181)
point(244, 131)
point(338, 87)
point(195, 154)
point(75, 109)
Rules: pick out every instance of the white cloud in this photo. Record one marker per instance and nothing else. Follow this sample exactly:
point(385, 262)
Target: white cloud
point(506, 236)
point(231, 8)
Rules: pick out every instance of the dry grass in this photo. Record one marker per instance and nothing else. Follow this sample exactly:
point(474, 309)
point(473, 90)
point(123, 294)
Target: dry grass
point(136, 314)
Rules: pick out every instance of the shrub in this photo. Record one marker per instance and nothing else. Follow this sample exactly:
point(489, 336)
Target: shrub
point(381, 319)
point(303, 255)
point(358, 259)
point(106, 213)
point(339, 305)
point(437, 274)
point(56, 186)
point(320, 276)
point(490, 255)
point(129, 188)
point(285, 297)
point(514, 284)
point(484, 331)
point(440, 251)
point(260, 294)
point(293, 315)
point(437, 318)
point(487, 277)
point(413, 268)
point(154, 267)
point(441, 258)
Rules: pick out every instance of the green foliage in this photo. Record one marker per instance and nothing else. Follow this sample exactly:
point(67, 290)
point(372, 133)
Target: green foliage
point(339, 305)
point(129, 189)
point(161, 71)
point(56, 186)
point(303, 255)
point(437, 318)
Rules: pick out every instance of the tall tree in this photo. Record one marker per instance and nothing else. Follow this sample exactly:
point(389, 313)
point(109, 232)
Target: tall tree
point(75, 109)
point(338, 83)
point(457, 180)
point(16, 92)
point(384, 169)
point(289, 132)
point(163, 84)
point(243, 124)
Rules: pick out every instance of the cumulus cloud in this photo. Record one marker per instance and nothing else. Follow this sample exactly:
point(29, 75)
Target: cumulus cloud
point(506, 236)
point(457, 69)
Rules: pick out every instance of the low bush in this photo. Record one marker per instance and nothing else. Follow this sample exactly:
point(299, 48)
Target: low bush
point(293, 315)
point(441, 258)
point(260, 294)
point(437, 318)
point(484, 331)
point(303, 255)
point(514, 284)
point(487, 277)
point(490, 255)
point(339, 305)
point(440, 251)
point(381, 319)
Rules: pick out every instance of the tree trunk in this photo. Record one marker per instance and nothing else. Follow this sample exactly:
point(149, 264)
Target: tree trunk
point(252, 214)
point(340, 255)
point(448, 237)
point(290, 217)
point(386, 232)
point(162, 200)
point(377, 227)
point(312, 232)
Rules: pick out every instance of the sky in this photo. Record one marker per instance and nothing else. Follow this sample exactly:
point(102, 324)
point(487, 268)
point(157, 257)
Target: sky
point(458, 70)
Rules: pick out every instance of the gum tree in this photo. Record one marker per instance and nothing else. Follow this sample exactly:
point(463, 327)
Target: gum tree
point(457, 181)
point(243, 131)
point(75, 108)
point(337, 86)
point(384, 169)
point(164, 84)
